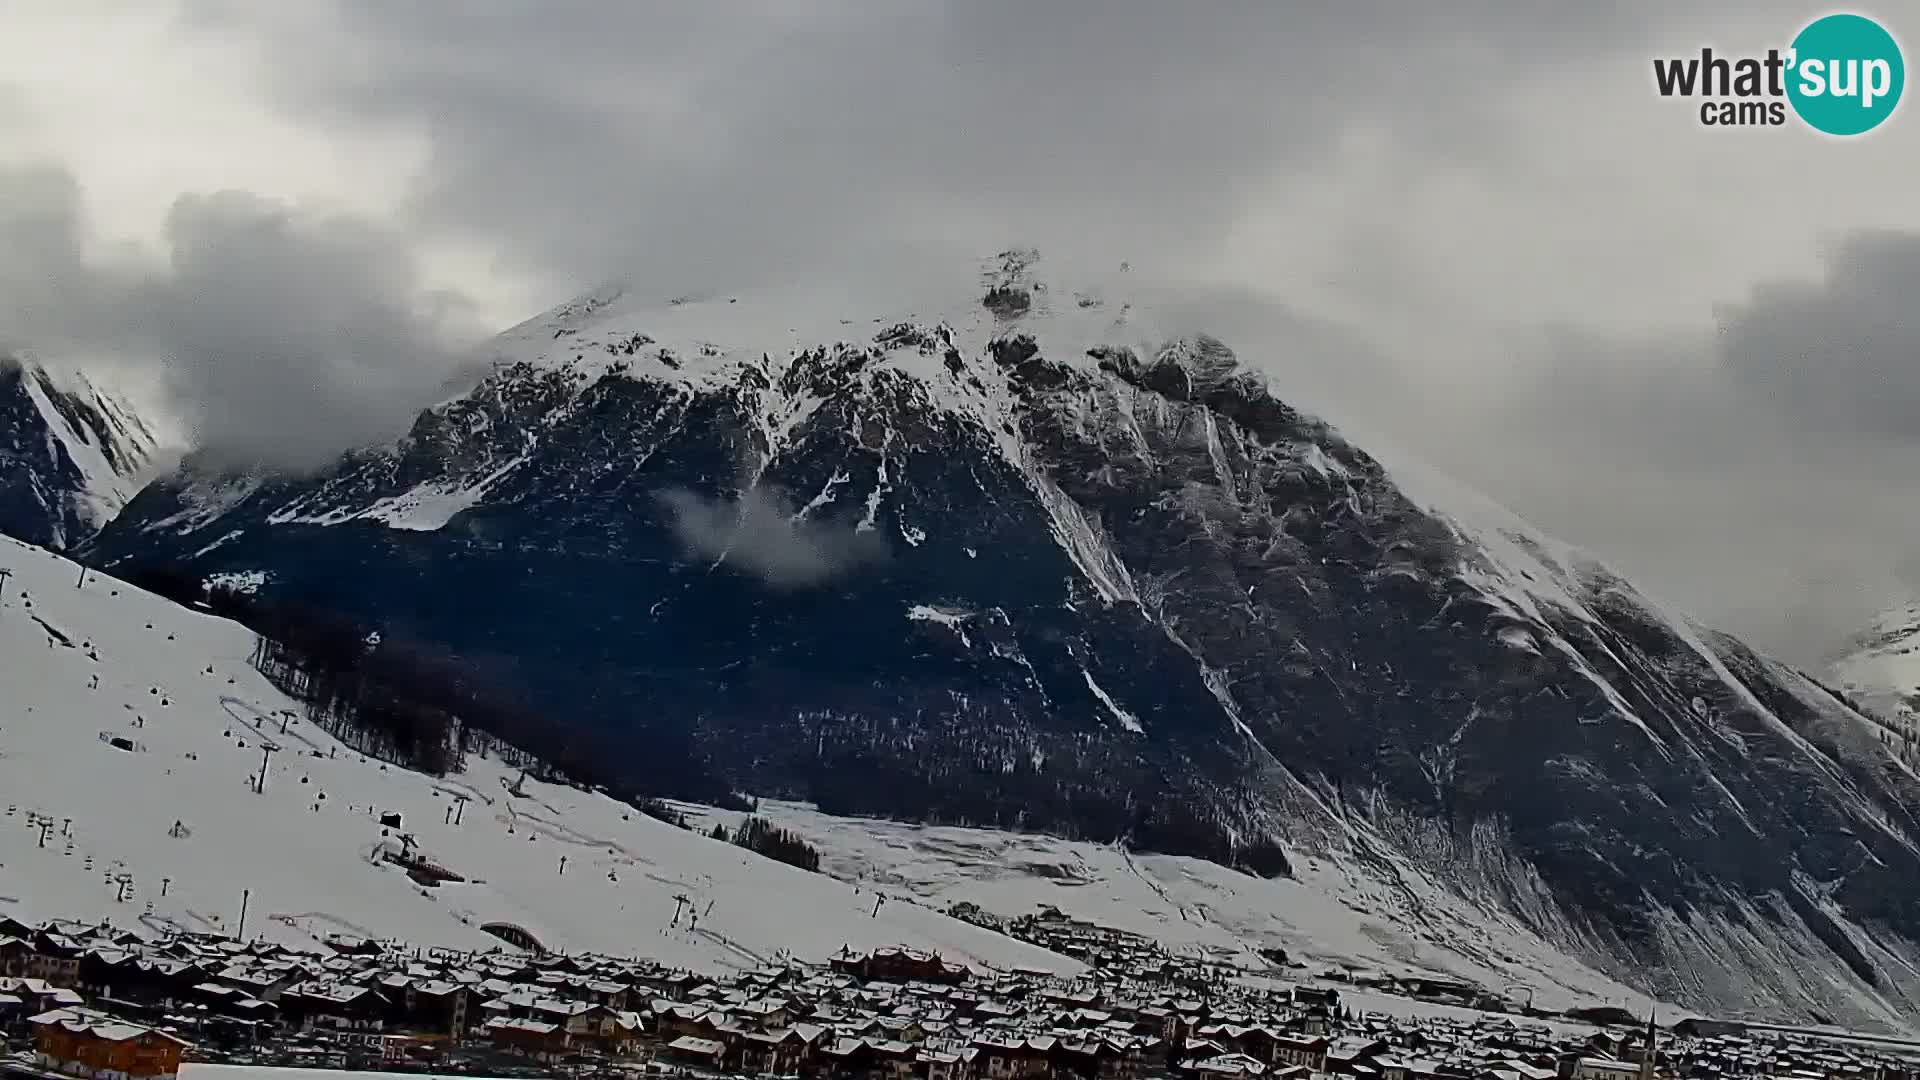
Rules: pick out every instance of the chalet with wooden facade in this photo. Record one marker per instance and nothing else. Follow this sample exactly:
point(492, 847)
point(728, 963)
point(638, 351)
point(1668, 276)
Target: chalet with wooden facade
point(98, 1046)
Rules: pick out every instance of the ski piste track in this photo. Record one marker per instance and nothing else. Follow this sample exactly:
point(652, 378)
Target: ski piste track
point(619, 855)
point(234, 706)
point(297, 920)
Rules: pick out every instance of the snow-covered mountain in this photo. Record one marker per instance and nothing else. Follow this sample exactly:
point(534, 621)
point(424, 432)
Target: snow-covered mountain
point(71, 453)
point(132, 734)
point(1883, 670)
point(1014, 555)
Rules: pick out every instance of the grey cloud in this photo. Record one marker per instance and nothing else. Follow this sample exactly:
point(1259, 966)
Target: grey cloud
point(1764, 477)
point(1842, 353)
point(692, 146)
point(283, 336)
point(16, 118)
point(761, 534)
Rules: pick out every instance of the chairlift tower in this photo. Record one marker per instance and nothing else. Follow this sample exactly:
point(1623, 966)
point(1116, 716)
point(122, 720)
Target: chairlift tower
point(267, 750)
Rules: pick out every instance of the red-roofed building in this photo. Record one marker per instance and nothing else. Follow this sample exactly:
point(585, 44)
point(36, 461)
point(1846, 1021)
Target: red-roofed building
point(92, 1044)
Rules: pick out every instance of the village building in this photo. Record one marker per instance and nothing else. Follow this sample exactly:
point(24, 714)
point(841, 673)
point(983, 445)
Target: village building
point(890, 1014)
point(85, 1043)
point(1601, 1068)
point(899, 965)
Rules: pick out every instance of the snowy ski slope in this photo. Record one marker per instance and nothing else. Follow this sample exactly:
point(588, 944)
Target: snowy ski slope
point(176, 686)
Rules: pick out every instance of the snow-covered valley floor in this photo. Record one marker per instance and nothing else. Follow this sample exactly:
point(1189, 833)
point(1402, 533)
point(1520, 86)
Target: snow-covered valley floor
point(1327, 917)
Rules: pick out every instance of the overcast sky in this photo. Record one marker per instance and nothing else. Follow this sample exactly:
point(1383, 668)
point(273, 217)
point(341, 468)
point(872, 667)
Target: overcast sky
point(1471, 228)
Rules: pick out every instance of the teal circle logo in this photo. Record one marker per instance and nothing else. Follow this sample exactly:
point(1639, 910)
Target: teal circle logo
point(1846, 74)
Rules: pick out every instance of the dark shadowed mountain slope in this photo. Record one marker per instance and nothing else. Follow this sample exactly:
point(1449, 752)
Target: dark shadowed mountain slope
point(1020, 557)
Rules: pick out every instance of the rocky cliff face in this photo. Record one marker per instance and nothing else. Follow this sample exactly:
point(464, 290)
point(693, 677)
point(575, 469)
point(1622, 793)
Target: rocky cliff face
point(1021, 558)
point(71, 453)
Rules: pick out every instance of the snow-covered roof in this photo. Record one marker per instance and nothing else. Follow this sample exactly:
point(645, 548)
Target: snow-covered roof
point(99, 1025)
point(690, 1044)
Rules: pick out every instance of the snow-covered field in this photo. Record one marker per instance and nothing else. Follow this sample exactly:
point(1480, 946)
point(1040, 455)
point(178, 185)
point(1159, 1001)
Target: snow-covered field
point(1327, 916)
point(177, 687)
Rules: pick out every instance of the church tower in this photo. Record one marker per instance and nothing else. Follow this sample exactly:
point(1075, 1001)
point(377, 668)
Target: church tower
point(1650, 1051)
